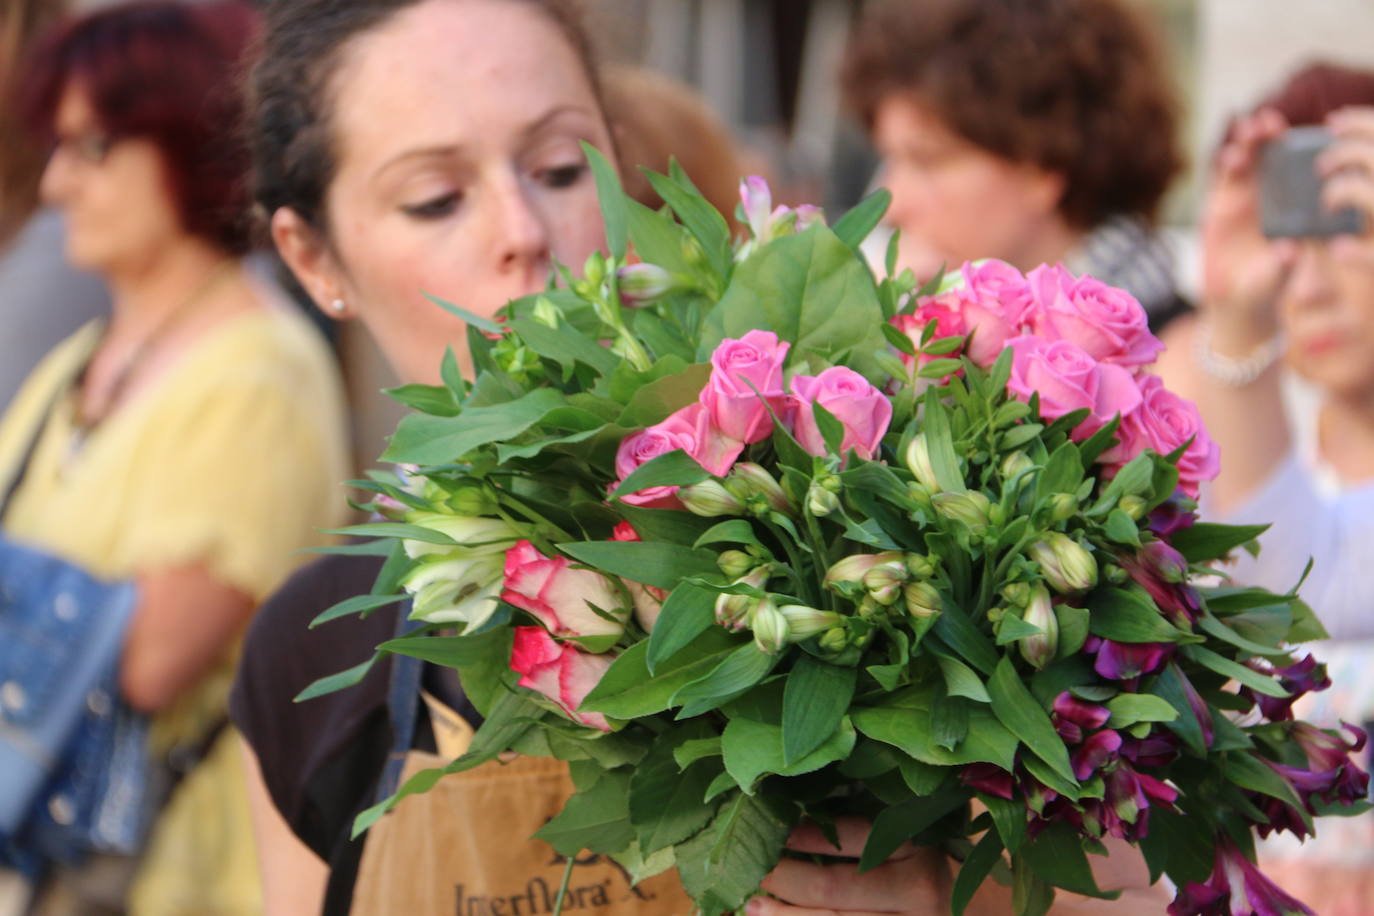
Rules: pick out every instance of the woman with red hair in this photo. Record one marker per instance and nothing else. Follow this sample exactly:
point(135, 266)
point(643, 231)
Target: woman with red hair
point(192, 444)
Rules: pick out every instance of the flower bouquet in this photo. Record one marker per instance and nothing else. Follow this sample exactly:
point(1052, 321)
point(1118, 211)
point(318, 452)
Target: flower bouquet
point(748, 537)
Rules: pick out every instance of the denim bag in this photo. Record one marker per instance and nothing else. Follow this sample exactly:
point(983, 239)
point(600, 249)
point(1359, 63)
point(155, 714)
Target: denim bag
point(74, 764)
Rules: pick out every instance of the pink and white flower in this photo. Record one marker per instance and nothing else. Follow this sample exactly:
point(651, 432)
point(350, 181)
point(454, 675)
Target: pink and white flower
point(559, 671)
point(561, 596)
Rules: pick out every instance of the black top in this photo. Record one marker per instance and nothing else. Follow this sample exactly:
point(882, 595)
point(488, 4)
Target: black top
point(321, 759)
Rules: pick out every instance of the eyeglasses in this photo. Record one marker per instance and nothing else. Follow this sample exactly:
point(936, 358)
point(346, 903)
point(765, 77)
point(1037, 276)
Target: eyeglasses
point(91, 148)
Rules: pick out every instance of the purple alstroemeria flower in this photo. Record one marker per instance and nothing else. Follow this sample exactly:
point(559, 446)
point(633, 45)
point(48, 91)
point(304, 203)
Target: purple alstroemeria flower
point(1128, 799)
point(1299, 678)
point(1280, 816)
point(1155, 750)
point(1072, 716)
point(1038, 795)
point(1163, 572)
point(1121, 661)
point(1095, 753)
point(1170, 516)
point(988, 778)
point(1235, 888)
point(1329, 752)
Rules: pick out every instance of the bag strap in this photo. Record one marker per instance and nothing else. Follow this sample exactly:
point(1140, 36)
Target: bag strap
point(403, 706)
point(23, 469)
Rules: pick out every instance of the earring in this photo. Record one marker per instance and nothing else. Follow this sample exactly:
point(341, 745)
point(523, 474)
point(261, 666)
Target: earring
point(338, 305)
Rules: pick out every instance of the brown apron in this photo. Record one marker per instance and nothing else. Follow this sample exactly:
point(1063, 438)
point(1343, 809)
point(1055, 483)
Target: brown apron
point(463, 848)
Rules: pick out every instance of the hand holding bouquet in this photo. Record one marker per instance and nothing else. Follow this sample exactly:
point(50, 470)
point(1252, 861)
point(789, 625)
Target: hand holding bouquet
point(750, 538)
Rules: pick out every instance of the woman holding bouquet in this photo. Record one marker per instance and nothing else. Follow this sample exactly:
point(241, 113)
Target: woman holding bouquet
point(404, 148)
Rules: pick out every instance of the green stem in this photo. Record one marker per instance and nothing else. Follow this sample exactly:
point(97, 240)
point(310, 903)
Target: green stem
point(794, 559)
point(563, 887)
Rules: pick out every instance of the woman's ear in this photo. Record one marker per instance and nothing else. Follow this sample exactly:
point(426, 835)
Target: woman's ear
point(306, 252)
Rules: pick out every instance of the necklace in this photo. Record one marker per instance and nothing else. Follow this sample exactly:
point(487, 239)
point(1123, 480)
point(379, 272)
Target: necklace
point(83, 424)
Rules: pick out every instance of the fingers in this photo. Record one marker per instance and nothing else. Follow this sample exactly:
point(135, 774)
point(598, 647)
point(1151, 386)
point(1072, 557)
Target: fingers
point(853, 834)
point(907, 885)
point(1349, 189)
point(767, 906)
point(1356, 121)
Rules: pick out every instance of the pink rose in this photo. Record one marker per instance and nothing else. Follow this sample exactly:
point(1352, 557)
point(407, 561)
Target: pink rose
point(647, 598)
point(990, 306)
point(559, 672)
point(863, 410)
point(561, 596)
point(690, 430)
point(1163, 422)
point(744, 372)
point(1068, 379)
point(1106, 322)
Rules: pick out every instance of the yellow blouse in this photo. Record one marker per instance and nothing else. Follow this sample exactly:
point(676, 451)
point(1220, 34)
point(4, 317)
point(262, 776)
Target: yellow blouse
point(232, 458)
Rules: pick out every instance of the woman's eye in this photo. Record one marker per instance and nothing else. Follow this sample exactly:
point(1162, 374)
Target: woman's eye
point(564, 176)
point(435, 208)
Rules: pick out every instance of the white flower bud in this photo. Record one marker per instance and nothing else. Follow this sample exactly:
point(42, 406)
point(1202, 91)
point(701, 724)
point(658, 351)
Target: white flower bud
point(753, 481)
point(1015, 464)
point(644, 282)
point(918, 462)
point(1065, 564)
point(546, 313)
point(1039, 649)
point(1063, 506)
point(736, 563)
point(710, 499)
point(922, 600)
point(969, 508)
point(853, 567)
point(770, 627)
point(804, 622)
point(1132, 505)
point(884, 581)
point(820, 501)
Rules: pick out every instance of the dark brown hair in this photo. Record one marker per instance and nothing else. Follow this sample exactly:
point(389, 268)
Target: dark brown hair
point(1076, 87)
point(21, 161)
point(293, 149)
point(1317, 90)
point(166, 71)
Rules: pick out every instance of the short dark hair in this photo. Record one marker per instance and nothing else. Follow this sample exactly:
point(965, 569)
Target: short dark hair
point(168, 72)
point(1076, 87)
point(290, 134)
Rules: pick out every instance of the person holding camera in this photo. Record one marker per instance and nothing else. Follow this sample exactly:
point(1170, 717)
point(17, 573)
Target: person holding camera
point(1280, 361)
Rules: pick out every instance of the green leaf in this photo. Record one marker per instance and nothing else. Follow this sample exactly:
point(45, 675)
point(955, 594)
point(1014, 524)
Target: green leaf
point(1014, 706)
point(597, 818)
point(423, 439)
point(812, 291)
point(854, 226)
point(733, 531)
point(1204, 541)
point(1127, 616)
point(627, 691)
point(975, 870)
point(472, 319)
point(1211, 625)
point(813, 703)
point(1306, 627)
point(701, 219)
point(1251, 678)
point(665, 803)
point(1122, 529)
point(336, 682)
point(396, 530)
point(907, 723)
point(1073, 629)
point(896, 824)
point(689, 752)
point(658, 239)
point(656, 401)
point(688, 611)
point(741, 669)
point(954, 627)
point(962, 681)
point(674, 469)
point(1169, 686)
point(940, 444)
point(1009, 816)
point(432, 399)
point(1130, 708)
point(453, 651)
point(355, 605)
point(1056, 855)
point(612, 198)
point(651, 563)
point(721, 866)
point(565, 345)
point(752, 749)
point(1180, 845)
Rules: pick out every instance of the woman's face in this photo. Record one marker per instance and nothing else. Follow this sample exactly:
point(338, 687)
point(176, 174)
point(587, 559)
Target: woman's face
point(1327, 312)
point(456, 128)
point(954, 201)
point(113, 192)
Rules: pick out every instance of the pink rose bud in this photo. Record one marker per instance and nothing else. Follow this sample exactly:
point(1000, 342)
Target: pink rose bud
point(559, 672)
point(1068, 379)
point(864, 412)
point(562, 597)
point(1105, 322)
point(746, 379)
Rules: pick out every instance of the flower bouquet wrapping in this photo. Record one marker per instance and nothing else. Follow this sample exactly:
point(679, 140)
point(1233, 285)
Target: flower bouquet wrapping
point(748, 537)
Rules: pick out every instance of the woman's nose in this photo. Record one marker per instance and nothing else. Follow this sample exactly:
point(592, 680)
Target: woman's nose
point(1310, 285)
point(523, 232)
point(55, 184)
